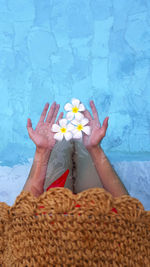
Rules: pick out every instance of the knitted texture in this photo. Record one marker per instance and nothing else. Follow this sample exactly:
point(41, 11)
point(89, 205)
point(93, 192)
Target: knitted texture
point(60, 228)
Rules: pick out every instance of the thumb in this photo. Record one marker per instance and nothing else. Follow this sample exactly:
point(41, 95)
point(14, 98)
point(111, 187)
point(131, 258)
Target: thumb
point(30, 129)
point(105, 123)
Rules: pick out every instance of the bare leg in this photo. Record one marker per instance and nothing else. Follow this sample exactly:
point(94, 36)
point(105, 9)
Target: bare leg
point(60, 160)
point(86, 174)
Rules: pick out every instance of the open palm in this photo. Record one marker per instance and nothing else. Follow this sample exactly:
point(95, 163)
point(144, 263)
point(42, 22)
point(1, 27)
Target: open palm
point(42, 136)
point(97, 132)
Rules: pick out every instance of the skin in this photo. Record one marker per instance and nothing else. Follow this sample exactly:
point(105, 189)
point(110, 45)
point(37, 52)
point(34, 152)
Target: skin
point(44, 140)
point(109, 178)
point(42, 136)
point(97, 131)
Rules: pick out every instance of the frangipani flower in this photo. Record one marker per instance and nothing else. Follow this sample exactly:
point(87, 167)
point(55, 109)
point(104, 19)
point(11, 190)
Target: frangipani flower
point(74, 109)
point(80, 126)
point(63, 130)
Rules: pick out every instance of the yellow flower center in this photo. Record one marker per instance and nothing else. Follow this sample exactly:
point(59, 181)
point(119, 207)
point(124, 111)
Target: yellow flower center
point(63, 130)
point(80, 127)
point(75, 110)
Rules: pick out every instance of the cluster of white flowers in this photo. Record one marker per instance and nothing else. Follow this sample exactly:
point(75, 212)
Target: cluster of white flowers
point(76, 126)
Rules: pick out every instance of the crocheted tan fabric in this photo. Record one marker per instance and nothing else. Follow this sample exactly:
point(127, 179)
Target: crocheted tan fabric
point(59, 228)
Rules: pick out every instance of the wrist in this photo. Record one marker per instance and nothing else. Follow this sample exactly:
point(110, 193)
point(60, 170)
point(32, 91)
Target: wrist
point(40, 164)
point(97, 153)
point(92, 149)
point(35, 181)
point(42, 155)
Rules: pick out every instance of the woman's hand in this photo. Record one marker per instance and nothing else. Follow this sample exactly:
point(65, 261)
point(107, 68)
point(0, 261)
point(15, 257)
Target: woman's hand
point(97, 132)
point(44, 140)
point(42, 136)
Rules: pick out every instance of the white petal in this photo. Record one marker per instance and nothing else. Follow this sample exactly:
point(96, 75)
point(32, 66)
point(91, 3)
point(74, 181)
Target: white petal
point(70, 127)
point(79, 116)
point(63, 122)
point(58, 136)
point(68, 136)
point(75, 122)
point(87, 130)
point(68, 107)
point(81, 107)
point(70, 115)
point(55, 128)
point(84, 121)
point(75, 102)
point(75, 131)
point(78, 135)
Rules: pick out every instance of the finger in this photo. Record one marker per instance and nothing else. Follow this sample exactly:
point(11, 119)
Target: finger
point(60, 117)
point(55, 114)
point(94, 111)
point(87, 115)
point(51, 112)
point(29, 123)
point(43, 114)
point(105, 123)
point(30, 129)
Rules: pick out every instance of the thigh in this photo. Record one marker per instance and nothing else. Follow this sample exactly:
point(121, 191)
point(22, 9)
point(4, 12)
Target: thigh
point(87, 176)
point(59, 162)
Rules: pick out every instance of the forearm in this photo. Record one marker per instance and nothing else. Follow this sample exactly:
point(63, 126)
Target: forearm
point(107, 174)
point(36, 178)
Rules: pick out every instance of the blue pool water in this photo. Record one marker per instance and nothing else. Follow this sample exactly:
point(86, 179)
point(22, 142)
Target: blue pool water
point(92, 50)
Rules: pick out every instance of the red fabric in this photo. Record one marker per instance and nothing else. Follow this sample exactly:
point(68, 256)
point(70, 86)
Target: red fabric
point(60, 182)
